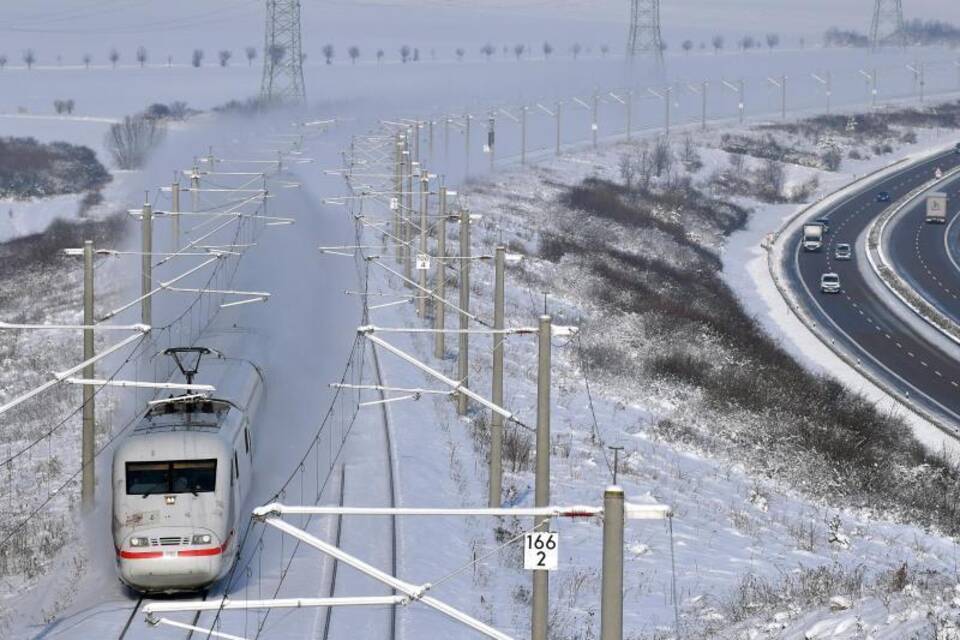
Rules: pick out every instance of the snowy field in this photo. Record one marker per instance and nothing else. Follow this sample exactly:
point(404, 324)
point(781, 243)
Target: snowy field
point(728, 524)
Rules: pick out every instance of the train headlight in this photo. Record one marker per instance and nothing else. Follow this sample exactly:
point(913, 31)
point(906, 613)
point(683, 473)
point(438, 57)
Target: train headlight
point(139, 542)
point(202, 538)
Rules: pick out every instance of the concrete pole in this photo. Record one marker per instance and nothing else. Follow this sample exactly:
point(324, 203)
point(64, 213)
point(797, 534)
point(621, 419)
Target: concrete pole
point(595, 126)
point(666, 100)
point(829, 90)
point(523, 135)
point(558, 128)
point(424, 195)
point(88, 439)
point(923, 80)
point(703, 106)
point(446, 140)
point(629, 114)
point(541, 579)
point(783, 97)
point(466, 136)
point(146, 263)
point(175, 205)
point(742, 106)
point(496, 420)
point(611, 589)
point(440, 280)
point(491, 138)
point(430, 130)
point(195, 190)
point(874, 81)
point(416, 141)
point(463, 351)
point(407, 231)
point(398, 196)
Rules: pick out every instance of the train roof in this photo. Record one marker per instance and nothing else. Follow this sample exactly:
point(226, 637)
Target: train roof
point(238, 386)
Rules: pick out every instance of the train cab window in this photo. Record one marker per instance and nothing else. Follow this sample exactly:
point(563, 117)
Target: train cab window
point(172, 476)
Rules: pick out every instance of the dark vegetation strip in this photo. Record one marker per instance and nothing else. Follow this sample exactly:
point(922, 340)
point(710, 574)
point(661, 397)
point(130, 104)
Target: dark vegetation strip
point(30, 169)
point(849, 449)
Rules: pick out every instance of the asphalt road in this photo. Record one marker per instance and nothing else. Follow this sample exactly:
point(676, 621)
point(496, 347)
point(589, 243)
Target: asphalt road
point(864, 325)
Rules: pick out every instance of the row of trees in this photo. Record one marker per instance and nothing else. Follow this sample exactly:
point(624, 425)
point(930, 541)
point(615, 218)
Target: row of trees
point(141, 55)
point(915, 32)
point(412, 54)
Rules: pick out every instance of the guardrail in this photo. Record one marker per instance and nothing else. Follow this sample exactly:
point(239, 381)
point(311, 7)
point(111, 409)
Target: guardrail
point(892, 279)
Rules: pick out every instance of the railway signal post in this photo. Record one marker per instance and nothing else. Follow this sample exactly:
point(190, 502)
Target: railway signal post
point(463, 352)
point(541, 579)
point(496, 420)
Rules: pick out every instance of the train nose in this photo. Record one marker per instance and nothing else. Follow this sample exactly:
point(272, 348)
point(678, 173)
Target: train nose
point(168, 560)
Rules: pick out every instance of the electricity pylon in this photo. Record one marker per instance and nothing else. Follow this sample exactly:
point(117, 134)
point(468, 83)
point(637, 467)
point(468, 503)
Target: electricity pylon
point(887, 26)
point(644, 37)
point(282, 55)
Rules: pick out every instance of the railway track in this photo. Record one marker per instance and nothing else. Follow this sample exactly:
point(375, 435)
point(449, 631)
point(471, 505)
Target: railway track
point(136, 610)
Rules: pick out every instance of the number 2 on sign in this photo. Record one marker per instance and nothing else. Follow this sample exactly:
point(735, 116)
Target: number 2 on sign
point(540, 551)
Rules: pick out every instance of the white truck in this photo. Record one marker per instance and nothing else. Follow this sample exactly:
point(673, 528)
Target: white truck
point(812, 237)
point(936, 208)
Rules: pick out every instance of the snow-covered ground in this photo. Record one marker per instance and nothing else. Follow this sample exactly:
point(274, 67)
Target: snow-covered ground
point(754, 558)
point(727, 523)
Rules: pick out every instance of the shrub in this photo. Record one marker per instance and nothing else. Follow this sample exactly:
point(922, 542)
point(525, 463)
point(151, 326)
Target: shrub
point(29, 169)
point(131, 141)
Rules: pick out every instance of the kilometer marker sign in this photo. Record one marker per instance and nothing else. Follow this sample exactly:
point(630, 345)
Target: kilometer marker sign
point(540, 551)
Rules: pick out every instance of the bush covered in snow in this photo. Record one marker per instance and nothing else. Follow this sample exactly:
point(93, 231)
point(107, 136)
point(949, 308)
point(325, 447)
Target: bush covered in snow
point(672, 317)
point(30, 169)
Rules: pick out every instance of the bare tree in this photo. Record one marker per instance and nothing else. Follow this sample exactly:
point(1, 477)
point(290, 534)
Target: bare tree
point(328, 53)
point(576, 49)
point(547, 50)
point(87, 59)
point(604, 50)
point(130, 141)
point(59, 60)
point(142, 55)
point(662, 157)
point(68, 105)
point(59, 106)
point(518, 51)
point(169, 60)
point(404, 53)
point(488, 50)
point(3, 61)
point(460, 53)
point(773, 40)
point(29, 57)
point(197, 58)
point(380, 55)
point(628, 171)
point(687, 45)
point(114, 57)
point(224, 56)
point(747, 43)
point(251, 53)
point(276, 53)
point(416, 55)
point(354, 53)
point(717, 43)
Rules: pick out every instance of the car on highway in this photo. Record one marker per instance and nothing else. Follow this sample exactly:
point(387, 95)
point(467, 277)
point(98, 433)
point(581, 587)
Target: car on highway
point(843, 252)
point(830, 283)
point(825, 223)
point(883, 196)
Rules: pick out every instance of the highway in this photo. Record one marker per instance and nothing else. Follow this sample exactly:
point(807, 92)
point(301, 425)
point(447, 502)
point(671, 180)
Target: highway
point(926, 254)
point(897, 352)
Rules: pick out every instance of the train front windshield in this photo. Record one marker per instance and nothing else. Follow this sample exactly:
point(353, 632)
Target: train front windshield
point(175, 476)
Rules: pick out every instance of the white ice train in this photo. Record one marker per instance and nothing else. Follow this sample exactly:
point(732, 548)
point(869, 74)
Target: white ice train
point(181, 477)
